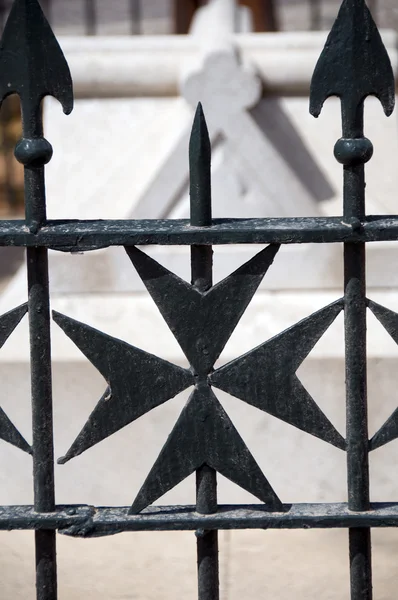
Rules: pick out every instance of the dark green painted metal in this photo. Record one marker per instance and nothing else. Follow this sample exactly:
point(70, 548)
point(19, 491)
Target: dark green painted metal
point(266, 377)
point(86, 236)
point(137, 382)
point(202, 317)
point(32, 65)
point(201, 436)
point(202, 282)
point(354, 65)
point(98, 521)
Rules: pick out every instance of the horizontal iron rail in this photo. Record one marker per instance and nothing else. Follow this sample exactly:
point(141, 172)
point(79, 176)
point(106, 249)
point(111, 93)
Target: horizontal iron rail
point(82, 236)
point(90, 521)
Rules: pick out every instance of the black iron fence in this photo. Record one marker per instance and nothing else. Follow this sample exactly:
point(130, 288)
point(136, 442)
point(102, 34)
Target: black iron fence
point(202, 317)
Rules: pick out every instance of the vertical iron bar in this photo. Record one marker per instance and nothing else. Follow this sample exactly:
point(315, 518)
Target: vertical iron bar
point(202, 279)
point(33, 67)
point(356, 380)
point(346, 68)
point(34, 151)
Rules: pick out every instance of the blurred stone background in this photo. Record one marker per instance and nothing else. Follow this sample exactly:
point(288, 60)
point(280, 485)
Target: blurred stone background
point(152, 17)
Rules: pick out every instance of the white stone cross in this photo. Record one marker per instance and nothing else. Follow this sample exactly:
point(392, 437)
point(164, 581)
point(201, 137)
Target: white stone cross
point(228, 90)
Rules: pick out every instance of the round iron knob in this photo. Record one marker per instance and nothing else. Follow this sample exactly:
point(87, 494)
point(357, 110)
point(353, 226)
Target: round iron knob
point(353, 152)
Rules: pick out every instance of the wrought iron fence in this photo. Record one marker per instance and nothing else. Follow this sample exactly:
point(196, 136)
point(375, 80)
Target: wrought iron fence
point(202, 317)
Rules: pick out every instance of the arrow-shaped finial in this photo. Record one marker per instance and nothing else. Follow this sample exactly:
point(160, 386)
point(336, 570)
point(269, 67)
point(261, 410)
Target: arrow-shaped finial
point(32, 64)
point(354, 64)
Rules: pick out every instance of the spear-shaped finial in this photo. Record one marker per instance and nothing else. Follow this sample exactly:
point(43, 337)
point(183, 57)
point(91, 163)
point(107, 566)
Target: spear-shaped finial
point(200, 194)
point(32, 64)
point(353, 65)
point(202, 280)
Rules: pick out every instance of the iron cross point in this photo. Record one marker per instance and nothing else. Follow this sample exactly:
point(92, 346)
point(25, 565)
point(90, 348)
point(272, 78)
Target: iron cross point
point(8, 431)
point(354, 63)
point(266, 377)
point(137, 382)
point(204, 435)
point(202, 322)
point(389, 431)
point(32, 64)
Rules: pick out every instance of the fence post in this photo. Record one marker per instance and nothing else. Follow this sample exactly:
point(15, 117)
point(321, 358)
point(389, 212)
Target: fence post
point(202, 280)
point(35, 65)
point(354, 67)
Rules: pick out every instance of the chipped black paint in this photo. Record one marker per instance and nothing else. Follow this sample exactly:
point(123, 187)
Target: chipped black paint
point(202, 317)
point(353, 65)
point(98, 521)
point(33, 66)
